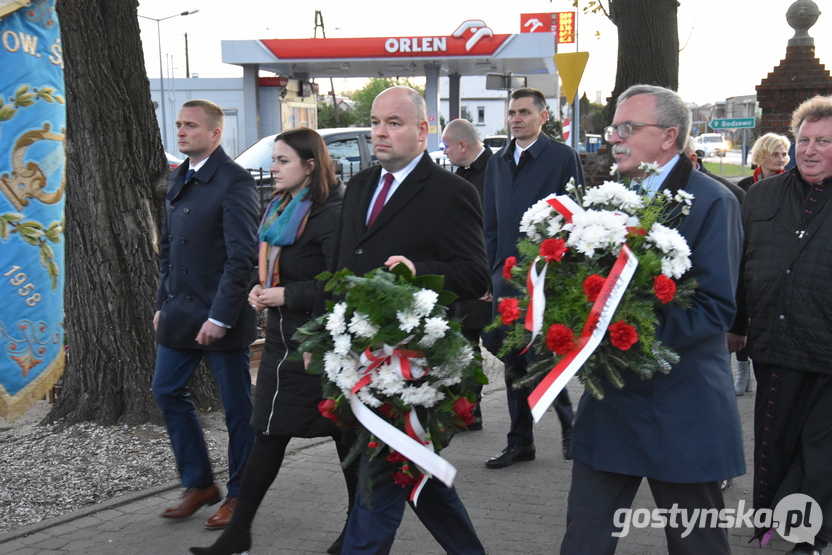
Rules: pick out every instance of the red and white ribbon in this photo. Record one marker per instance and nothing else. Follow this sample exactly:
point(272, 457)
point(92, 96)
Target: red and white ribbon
point(413, 444)
point(594, 329)
point(596, 324)
point(537, 300)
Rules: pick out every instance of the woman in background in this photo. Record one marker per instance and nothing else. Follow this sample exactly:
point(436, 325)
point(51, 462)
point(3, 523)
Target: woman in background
point(297, 237)
point(770, 153)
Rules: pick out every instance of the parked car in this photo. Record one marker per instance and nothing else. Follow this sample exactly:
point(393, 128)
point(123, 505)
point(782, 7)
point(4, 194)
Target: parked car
point(496, 142)
point(173, 161)
point(710, 144)
point(349, 147)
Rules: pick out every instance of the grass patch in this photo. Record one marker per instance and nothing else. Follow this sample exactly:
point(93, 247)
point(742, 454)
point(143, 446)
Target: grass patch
point(728, 170)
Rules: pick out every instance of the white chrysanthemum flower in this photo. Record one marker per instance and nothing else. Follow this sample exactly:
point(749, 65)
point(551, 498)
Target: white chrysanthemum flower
point(555, 225)
point(341, 370)
point(597, 230)
point(615, 194)
point(683, 196)
point(650, 168)
point(424, 301)
point(614, 169)
point(536, 215)
point(335, 322)
point(435, 329)
point(673, 245)
point(343, 344)
point(407, 320)
point(570, 186)
point(387, 382)
point(368, 398)
point(360, 325)
point(425, 395)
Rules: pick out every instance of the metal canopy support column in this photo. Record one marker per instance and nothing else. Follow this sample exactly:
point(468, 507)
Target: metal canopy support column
point(432, 99)
point(453, 96)
point(251, 100)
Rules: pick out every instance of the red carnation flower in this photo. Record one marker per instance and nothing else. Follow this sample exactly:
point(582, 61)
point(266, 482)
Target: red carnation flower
point(464, 410)
point(509, 310)
point(327, 409)
point(396, 457)
point(623, 335)
point(372, 444)
point(553, 249)
point(592, 287)
point(389, 410)
point(510, 263)
point(560, 339)
point(405, 480)
point(664, 287)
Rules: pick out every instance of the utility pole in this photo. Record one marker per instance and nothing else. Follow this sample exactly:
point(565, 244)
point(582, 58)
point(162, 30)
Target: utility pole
point(187, 63)
point(319, 22)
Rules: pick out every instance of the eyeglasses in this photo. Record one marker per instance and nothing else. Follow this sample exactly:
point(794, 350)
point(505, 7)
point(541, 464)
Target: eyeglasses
point(625, 129)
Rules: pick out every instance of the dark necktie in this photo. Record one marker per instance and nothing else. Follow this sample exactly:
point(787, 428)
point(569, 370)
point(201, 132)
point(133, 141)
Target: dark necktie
point(189, 174)
point(380, 199)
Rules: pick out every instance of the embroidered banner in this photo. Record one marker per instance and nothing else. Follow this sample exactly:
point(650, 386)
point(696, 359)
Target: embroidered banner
point(32, 132)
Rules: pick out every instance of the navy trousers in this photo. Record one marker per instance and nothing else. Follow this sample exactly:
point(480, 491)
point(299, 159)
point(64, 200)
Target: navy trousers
point(373, 522)
point(174, 368)
point(596, 496)
point(521, 431)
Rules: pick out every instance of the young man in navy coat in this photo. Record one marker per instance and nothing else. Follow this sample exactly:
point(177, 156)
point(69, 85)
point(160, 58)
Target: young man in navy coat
point(410, 211)
point(531, 167)
point(207, 254)
point(679, 430)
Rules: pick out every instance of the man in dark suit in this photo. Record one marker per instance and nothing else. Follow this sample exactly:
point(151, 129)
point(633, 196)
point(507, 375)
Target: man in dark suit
point(409, 211)
point(680, 430)
point(531, 167)
point(208, 251)
point(465, 151)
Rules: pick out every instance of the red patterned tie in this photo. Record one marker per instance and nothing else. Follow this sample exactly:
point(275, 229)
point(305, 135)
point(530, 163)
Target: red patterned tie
point(380, 199)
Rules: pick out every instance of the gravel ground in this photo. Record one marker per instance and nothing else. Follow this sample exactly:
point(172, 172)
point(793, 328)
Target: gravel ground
point(46, 472)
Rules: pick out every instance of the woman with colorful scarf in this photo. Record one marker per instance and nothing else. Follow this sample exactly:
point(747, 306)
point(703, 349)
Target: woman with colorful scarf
point(770, 153)
point(297, 237)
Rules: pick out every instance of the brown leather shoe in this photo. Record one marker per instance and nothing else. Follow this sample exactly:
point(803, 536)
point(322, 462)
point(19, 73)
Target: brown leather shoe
point(192, 500)
point(222, 517)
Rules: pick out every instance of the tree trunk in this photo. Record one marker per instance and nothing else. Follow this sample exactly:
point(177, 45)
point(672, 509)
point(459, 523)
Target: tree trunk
point(648, 45)
point(116, 176)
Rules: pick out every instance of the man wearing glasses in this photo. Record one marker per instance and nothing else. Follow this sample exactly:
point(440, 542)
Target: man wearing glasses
point(679, 430)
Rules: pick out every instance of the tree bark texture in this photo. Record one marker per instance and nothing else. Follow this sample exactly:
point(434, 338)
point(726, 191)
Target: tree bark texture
point(116, 177)
point(648, 45)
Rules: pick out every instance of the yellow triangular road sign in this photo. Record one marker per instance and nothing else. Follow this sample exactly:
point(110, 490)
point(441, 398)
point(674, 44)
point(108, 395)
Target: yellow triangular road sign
point(571, 67)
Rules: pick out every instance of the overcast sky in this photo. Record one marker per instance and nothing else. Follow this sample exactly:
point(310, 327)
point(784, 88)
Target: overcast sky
point(728, 46)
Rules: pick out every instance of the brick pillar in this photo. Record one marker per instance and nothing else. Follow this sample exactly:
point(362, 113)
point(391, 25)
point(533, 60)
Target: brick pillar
point(799, 76)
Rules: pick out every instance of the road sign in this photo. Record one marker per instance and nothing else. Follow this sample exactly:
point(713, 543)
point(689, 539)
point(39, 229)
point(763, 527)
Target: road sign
point(732, 123)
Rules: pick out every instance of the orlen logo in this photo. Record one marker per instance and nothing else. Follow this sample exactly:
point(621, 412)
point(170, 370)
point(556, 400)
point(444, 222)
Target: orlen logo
point(478, 29)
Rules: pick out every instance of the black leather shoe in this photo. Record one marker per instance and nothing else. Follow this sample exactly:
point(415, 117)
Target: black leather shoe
point(805, 549)
point(566, 442)
point(511, 455)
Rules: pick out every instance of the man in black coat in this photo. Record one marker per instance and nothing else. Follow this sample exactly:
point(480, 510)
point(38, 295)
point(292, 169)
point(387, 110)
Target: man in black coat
point(531, 167)
point(207, 253)
point(466, 151)
point(410, 211)
point(785, 287)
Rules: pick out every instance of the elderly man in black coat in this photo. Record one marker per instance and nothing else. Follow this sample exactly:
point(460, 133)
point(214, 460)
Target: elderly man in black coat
point(208, 252)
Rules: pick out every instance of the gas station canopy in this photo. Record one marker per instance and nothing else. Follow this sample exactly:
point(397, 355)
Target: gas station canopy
point(471, 50)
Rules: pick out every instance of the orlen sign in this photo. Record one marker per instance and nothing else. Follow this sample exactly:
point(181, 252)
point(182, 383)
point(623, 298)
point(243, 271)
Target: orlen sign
point(472, 38)
point(562, 24)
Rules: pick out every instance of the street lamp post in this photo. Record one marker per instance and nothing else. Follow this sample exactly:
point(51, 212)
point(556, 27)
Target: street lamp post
point(161, 70)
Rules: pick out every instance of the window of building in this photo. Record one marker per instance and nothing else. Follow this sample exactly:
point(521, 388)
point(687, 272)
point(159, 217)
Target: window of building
point(481, 114)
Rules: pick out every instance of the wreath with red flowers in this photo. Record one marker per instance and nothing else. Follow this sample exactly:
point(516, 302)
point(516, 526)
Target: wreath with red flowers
point(577, 265)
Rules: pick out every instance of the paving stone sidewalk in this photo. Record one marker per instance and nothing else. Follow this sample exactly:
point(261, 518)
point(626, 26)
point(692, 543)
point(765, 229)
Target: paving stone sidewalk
point(517, 510)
